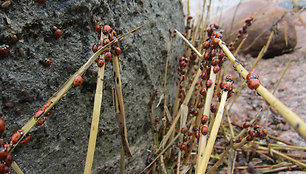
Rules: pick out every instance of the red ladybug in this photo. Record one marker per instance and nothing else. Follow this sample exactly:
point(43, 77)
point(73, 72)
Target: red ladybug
point(252, 75)
point(213, 52)
point(185, 138)
point(189, 133)
point(47, 62)
point(98, 28)
point(108, 56)
point(101, 133)
point(16, 136)
point(221, 54)
point(229, 78)
point(199, 105)
point(253, 83)
point(78, 81)
point(2, 126)
point(106, 29)
point(26, 140)
point(249, 138)
point(39, 113)
point(183, 130)
point(175, 159)
point(204, 130)
point(118, 50)
point(265, 132)
point(239, 140)
point(106, 41)
point(204, 75)
point(207, 55)
point(4, 50)
point(94, 48)
point(206, 45)
point(208, 83)
point(251, 133)
point(100, 63)
point(214, 61)
point(40, 122)
point(215, 42)
point(204, 119)
point(41, 1)
point(46, 105)
point(114, 33)
point(213, 108)
point(58, 33)
point(246, 124)
point(216, 69)
point(203, 91)
point(256, 127)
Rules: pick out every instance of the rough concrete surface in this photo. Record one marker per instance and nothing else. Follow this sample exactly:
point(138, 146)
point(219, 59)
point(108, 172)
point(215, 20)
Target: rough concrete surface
point(60, 145)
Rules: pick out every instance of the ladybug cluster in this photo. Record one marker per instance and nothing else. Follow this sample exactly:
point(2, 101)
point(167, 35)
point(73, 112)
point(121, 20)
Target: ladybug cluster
point(252, 80)
point(5, 156)
point(241, 32)
point(109, 35)
point(256, 132)
point(226, 85)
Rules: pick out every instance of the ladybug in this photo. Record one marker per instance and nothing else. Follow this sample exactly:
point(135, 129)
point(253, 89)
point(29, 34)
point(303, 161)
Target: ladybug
point(215, 42)
point(265, 132)
point(216, 69)
point(213, 108)
point(196, 112)
point(100, 63)
point(199, 105)
point(39, 113)
point(41, 122)
point(221, 54)
point(181, 59)
point(16, 136)
point(249, 138)
point(246, 124)
point(239, 140)
point(204, 130)
point(229, 78)
point(78, 81)
point(4, 168)
point(208, 83)
point(181, 95)
point(204, 119)
point(206, 45)
point(50, 112)
point(105, 41)
point(252, 75)
point(108, 56)
point(226, 86)
point(189, 133)
point(203, 91)
point(8, 160)
point(207, 55)
point(218, 35)
point(175, 158)
point(46, 105)
point(41, 1)
point(214, 61)
point(58, 33)
point(183, 130)
point(256, 127)
point(253, 83)
point(26, 140)
point(46, 62)
point(4, 50)
point(185, 138)
point(101, 133)
point(251, 133)
point(3, 155)
point(106, 29)
point(2, 126)
point(114, 33)
point(184, 147)
point(98, 28)
point(189, 17)
point(213, 52)
point(185, 35)
point(203, 75)
point(94, 48)
point(196, 133)
point(118, 50)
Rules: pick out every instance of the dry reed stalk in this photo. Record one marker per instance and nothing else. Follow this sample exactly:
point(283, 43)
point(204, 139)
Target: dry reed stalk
point(150, 110)
point(293, 119)
point(283, 156)
point(201, 168)
point(68, 84)
point(206, 111)
point(183, 118)
point(16, 168)
point(95, 121)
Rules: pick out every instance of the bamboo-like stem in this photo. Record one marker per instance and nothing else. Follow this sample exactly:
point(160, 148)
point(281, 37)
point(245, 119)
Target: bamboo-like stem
point(213, 135)
point(16, 168)
point(95, 121)
point(293, 119)
point(121, 114)
point(284, 156)
point(68, 84)
point(239, 46)
point(206, 111)
point(188, 43)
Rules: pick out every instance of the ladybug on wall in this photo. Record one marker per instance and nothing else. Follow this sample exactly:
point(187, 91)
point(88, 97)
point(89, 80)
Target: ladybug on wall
point(78, 80)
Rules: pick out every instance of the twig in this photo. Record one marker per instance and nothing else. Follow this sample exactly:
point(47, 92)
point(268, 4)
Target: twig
point(16, 168)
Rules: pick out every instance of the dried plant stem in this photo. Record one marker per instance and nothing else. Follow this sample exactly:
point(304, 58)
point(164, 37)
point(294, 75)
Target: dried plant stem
point(201, 168)
point(206, 111)
point(293, 119)
point(95, 121)
point(183, 118)
point(68, 84)
point(188, 43)
point(283, 156)
point(239, 46)
point(16, 168)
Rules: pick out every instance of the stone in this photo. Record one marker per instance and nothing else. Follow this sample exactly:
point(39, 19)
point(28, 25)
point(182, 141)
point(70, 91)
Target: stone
point(266, 15)
point(60, 145)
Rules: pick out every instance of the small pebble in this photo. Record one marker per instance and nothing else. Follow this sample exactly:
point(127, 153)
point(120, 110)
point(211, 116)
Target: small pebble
point(9, 104)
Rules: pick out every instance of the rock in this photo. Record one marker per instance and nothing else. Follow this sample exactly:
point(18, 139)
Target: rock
point(60, 145)
point(266, 14)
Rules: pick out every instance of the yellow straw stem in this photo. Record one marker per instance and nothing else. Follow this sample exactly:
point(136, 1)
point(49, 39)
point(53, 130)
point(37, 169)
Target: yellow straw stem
point(16, 168)
point(293, 119)
point(191, 46)
point(208, 100)
point(213, 135)
point(95, 121)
